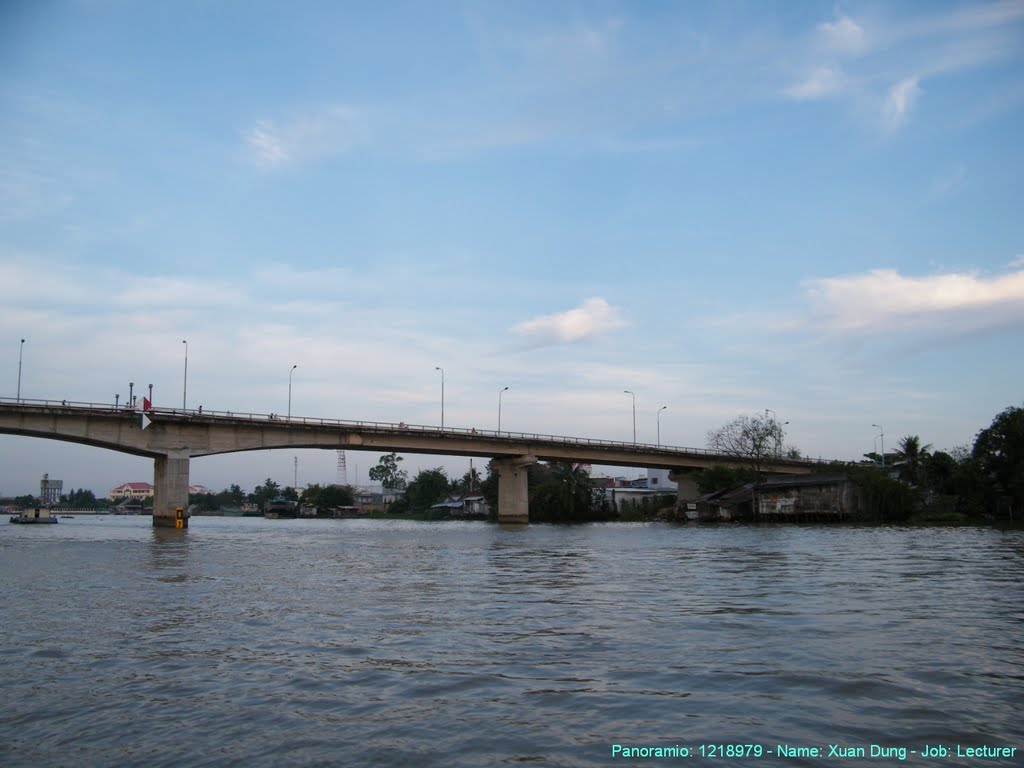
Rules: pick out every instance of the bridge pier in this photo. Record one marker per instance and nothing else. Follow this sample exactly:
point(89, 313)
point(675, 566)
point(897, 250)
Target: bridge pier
point(513, 489)
point(686, 486)
point(170, 491)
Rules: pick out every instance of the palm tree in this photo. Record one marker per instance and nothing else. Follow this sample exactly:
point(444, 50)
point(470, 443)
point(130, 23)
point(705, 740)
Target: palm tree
point(912, 456)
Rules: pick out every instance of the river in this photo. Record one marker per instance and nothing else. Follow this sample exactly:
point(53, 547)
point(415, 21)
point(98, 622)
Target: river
point(250, 642)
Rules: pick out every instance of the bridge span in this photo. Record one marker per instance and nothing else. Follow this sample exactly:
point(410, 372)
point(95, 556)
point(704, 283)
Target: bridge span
point(173, 436)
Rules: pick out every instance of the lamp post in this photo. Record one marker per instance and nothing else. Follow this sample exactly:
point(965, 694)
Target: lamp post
point(659, 423)
point(882, 434)
point(290, 389)
point(439, 368)
point(629, 392)
point(773, 425)
point(21, 350)
point(184, 386)
point(499, 408)
point(131, 396)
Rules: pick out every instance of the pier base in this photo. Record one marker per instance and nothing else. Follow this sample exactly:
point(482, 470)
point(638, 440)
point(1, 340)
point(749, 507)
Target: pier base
point(513, 489)
point(170, 492)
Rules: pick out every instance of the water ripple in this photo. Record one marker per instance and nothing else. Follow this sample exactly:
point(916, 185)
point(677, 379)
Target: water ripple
point(266, 643)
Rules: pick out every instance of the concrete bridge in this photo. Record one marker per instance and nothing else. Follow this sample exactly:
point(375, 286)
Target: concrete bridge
point(172, 437)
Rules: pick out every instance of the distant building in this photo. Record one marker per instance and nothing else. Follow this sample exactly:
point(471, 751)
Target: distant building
point(658, 480)
point(131, 491)
point(464, 505)
point(50, 490)
point(144, 491)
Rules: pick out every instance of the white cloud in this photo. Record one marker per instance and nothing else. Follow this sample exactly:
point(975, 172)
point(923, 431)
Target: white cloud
point(821, 83)
point(900, 101)
point(593, 317)
point(1017, 262)
point(843, 35)
point(266, 146)
point(885, 301)
point(320, 132)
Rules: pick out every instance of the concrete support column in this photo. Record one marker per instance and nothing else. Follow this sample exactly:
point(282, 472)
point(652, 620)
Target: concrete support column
point(170, 491)
point(513, 489)
point(686, 486)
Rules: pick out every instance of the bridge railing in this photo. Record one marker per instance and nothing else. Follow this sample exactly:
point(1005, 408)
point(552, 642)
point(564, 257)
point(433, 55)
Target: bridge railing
point(385, 426)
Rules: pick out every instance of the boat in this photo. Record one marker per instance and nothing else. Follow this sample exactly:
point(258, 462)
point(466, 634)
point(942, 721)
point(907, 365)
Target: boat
point(280, 509)
point(34, 516)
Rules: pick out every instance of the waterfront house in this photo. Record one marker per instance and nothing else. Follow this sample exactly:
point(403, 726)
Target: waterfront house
point(804, 498)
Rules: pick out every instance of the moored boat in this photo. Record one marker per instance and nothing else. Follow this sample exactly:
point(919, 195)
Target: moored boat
point(280, 508)
point(33, 516)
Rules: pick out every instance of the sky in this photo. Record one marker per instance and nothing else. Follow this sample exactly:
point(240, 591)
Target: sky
point(811, 209)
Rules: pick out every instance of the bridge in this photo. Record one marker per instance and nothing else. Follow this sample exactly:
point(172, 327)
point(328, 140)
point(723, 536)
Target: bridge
point(173, 436)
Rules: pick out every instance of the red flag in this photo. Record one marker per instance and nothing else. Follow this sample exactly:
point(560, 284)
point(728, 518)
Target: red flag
point(146, 405)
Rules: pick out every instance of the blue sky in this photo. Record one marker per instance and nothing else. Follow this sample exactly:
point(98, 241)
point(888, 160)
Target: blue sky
point(813, 208)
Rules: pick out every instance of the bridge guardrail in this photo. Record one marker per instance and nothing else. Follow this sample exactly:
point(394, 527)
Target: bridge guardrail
point(383, 426)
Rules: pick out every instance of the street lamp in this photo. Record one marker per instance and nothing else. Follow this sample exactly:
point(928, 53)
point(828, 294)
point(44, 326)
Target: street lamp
point(882, 434)
point(21, 350)
point(659, 423)
point(775, 424)
point(439, 368)
point(131, 396)
point(629, 392)
point(184, 386)
point(499, 408)
point(290, 389)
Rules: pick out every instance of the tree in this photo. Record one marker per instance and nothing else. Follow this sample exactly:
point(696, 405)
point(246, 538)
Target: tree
point(387, 472)
point(427, 488)
point(471, 481)
point(913, 456)
point(722, 478)
point(263, 493)
point(235, 497)
point(561, 492)
point(328, 496)
point(756, 438)
point(81, 499)
point(999, 450)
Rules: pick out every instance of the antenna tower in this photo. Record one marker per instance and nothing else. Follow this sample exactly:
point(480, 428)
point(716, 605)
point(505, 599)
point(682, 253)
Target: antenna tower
point(342, 469)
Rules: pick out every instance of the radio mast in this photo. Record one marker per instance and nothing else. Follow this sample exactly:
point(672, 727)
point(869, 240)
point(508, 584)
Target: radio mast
point(342, 469)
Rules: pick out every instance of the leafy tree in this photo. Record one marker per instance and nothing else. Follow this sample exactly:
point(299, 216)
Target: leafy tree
point(234, 497)
point(327, 496)
point(205, 501)
point(999, 450)
point(940, 472)
point(81, 499)
point(913, 456)
point(882, 499)
point(471, 481)
point(428, 487)
point(387, 472)
point(264, 493)
point(561, 492)
point(722, 478)
point(489, 489)
point(755, 438)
